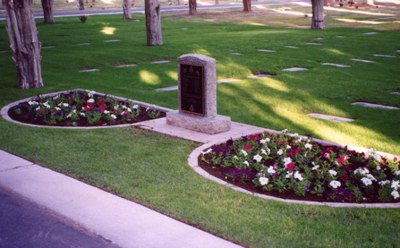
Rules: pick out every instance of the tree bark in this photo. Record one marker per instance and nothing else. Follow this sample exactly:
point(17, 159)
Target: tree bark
point(317, 21)
point(81, 3)
point(192, 7)
point(153, 22)
point(47, 6)
point(246, 5)
point(24, 43)
point(126, 6)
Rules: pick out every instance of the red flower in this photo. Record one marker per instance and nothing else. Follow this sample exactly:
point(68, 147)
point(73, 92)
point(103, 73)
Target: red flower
point(101, 102)
point(290, 166)
point(328, 149)
point(101, 108)
point(41, 111)
point(247, 147)
point(252, 137)
point(88, 107)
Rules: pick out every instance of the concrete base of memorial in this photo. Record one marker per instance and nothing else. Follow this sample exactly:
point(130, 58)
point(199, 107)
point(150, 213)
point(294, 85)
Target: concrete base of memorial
point(208, 125)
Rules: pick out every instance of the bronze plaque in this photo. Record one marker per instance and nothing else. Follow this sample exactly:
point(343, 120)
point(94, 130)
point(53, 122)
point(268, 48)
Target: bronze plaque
point(192, 89)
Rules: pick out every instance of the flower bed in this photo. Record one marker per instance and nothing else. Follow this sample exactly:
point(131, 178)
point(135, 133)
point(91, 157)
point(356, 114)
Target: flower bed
point(81, 108)
point(294, 167)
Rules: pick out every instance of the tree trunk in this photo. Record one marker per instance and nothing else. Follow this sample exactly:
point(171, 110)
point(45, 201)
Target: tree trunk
point(47, 6)
point(246, 5)
point(24, 43)
point(126, 6)
point(83, 18)
point(192, 7)
point(153, 22)
point(317, 21)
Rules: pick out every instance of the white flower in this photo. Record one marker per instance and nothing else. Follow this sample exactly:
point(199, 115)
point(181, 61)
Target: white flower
point(82, 114)
point(263, 181)
point(280, 152)
point(55, 97)
point(244, 152)
point(395, 185)
point(266, 140)
point(113, 116)
point(271, 170)
point(397, 173)
point(33, 103)
point(65, 105)
point(383, 183)
point(57, 108)
point(289, 174)
point(308, 146)
point(135, 106)
point(266, 152)
point(91, 100)
point(246, 163)
point(295, 135)
point(69, 115)
point(129, 110)
point(287, 161)
point(332, 172)
point(335, 184)
point(315, 167)
point(257, 158)
point(361, 171)
point(378, 168)
point(298, 176)
point(288, 147)
point(284, 131)
point(46, 104)
point(395, 194)
point(366, 181)
point(106, 112)
point(91, 93)
point(377, 157)
point(37, 109)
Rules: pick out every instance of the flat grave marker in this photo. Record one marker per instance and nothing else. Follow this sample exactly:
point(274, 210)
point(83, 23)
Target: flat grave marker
point(363, 60)
point(384, 55)
point(169, 88)
point(295, 69)
point(336, 65)
point(89, 70)
point(84, 44)
point(160, 62)
point(374, 105)
point(330, 117)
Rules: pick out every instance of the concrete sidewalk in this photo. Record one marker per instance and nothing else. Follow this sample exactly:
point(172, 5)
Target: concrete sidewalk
point(125, 223)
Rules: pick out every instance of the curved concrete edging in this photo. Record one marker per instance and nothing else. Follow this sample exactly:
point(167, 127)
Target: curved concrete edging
point(4, 112)
point(193, 163)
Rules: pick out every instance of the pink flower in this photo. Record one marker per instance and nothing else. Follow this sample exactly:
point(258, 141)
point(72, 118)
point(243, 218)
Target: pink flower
point(326, 155)
point(342, 159)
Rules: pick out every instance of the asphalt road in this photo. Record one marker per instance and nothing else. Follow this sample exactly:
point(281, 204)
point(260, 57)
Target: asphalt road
point(89, 12)
point(26, 224)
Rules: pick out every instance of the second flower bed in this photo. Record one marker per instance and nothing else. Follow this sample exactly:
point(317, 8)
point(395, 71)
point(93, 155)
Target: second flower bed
point(81, 108)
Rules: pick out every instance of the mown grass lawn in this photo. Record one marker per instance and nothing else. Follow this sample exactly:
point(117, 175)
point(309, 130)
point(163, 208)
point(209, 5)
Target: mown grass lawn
point(138, 165)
